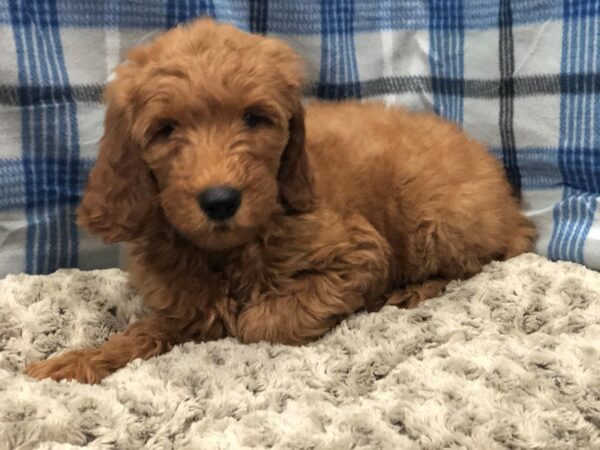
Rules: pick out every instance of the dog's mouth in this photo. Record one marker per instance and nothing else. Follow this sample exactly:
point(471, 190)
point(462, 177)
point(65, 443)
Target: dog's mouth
point(222, 228)
point(222, 235)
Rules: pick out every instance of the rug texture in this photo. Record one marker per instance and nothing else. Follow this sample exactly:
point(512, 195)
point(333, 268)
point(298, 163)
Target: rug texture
point(508, 359)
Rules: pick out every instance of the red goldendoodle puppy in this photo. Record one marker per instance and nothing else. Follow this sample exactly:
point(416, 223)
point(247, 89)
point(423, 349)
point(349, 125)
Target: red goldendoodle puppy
point(250, 216)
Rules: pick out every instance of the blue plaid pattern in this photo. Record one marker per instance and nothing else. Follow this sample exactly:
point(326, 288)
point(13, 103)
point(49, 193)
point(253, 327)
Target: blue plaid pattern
point(521, 76)
point(578, 150)
point(446, 57)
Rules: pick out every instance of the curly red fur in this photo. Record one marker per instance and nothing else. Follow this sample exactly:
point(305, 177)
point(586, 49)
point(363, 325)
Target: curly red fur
point(345, 206)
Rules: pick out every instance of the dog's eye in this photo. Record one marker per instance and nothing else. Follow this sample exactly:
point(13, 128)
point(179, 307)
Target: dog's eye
point(252, 119)
point(164, 131)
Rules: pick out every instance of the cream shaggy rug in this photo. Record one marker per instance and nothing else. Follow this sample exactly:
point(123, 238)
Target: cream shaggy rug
point(509, 359)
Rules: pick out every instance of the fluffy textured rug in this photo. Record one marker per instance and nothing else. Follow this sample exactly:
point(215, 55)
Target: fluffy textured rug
point(508, 359)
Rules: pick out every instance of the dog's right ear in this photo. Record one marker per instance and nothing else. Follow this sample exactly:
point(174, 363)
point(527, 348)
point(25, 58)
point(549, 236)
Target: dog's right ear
point(120, 193)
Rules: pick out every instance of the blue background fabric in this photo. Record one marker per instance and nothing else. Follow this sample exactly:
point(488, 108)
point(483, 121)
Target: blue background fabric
point(522, 76)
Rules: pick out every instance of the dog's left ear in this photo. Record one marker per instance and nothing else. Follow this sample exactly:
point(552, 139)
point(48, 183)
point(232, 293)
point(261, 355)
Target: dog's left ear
point(295, 178)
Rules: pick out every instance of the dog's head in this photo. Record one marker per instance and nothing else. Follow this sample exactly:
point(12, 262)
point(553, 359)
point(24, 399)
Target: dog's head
point(204, 126)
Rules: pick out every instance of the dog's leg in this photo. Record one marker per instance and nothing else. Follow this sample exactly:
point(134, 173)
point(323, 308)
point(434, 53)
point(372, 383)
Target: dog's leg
point(412, 295)
point(296, 318)
point(147, 337)
point(319, 269)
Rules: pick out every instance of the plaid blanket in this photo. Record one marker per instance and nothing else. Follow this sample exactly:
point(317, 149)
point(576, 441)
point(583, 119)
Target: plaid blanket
point(522, 76)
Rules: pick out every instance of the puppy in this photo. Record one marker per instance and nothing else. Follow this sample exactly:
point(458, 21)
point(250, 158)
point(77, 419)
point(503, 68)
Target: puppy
point(251, 216)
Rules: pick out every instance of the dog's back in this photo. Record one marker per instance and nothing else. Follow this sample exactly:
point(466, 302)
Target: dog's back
point(440, 199)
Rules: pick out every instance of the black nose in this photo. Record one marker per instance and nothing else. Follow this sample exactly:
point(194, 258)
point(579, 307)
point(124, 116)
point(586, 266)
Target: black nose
point(220, 202)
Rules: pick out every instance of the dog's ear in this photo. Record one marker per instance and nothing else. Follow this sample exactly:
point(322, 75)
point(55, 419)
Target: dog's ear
point(295, 178)
point(120, 193)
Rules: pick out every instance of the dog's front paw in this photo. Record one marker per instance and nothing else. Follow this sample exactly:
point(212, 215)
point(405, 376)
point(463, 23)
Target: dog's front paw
point(78, 365)
point(414, 294)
